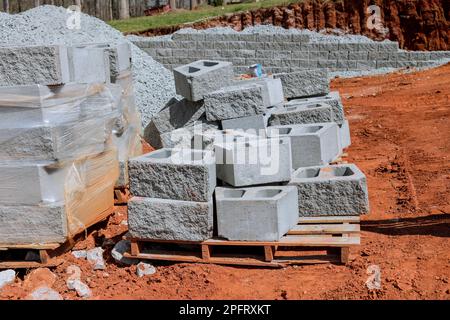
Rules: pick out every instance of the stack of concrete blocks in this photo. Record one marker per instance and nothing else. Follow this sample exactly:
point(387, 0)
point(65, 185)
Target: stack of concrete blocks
point(127, 129)
point(178, 119)
point(67, 115)
point(173, 195)
point(315, 122)
point(318, 109)
point(283, 52)
point(57, 164)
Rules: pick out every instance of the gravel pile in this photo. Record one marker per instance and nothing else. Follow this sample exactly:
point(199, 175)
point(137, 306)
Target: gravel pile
point(154, 85)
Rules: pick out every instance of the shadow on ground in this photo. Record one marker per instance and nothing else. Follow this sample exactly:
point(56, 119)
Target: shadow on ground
point(433, 225)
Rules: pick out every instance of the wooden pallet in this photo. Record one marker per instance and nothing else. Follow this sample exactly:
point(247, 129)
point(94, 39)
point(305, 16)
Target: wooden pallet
point(312, 241)
point(12, 256)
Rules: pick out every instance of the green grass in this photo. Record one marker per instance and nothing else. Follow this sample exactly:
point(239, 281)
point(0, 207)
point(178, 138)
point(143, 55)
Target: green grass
point(186, 16)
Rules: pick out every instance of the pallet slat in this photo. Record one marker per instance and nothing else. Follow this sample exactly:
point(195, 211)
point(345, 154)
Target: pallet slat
point(325, 229)
point(330, 219)
point(293, 241)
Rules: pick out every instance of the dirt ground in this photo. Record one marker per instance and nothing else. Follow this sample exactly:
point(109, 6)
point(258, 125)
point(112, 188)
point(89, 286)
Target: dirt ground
point(401, 139)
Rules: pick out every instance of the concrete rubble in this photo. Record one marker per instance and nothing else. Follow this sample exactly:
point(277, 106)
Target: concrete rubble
point(74, 282)
point(44, 294)
point(95, 258)
point(145, 269)
point(7, 277)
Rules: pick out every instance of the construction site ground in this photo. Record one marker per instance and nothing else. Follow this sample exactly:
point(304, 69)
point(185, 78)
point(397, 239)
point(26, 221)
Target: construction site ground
point(400, 127)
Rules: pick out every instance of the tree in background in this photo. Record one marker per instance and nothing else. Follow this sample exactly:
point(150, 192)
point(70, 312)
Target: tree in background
point(124, 9)
point(6, 6)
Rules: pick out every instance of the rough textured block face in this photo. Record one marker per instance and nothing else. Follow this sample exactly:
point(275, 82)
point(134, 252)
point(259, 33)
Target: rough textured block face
point(256, 214)
point(333, 99)
point(176, 115)
point(236, 101)
point(274, 89)
point(33, 224)
point(257, 123)
point(312, 144)
point(54, 142)
point(344, 134)
point(195, 80)
point(254, 162)
point(46, 65)
point(163, 219)
point(304, 83)
point(179, 174)
point(301, 114)
point(339, 190)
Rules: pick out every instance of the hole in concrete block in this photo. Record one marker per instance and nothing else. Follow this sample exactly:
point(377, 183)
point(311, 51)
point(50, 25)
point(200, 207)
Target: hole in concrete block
point(193, 70)
point(312, 129)
point(337, 172)
point(293, 108)
point(210, 63)
point(308, 173)
point(234, 194)
point(267, 193)
point(285, 130)
point(163, 154)
point(192, 155)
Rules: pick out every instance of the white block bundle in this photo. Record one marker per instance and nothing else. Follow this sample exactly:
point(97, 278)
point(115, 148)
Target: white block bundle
point(64, 127)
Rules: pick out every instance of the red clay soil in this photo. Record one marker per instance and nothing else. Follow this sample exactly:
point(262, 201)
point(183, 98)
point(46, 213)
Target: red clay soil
point(401, 140)
point(415, 24)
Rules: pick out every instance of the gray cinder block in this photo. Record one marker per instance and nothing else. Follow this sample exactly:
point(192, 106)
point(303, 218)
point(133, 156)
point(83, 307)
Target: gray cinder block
point(274, 89)
point(339, 190)
point(32, 183)
point(312, 144)
point(333, 99)
point(175, 115)
point(304, 83)
point(119, 57)
point(301, 114)
point(236, 101)
point(195, 80)
point(344, 135)
point(164, 219)
point(92, 63)
point(45, 65)
point(33, 224)
point(35, 105)
point(66, 141)
point(257, 123)
point(254, 162)
point(178, 174)
point(256, 214)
